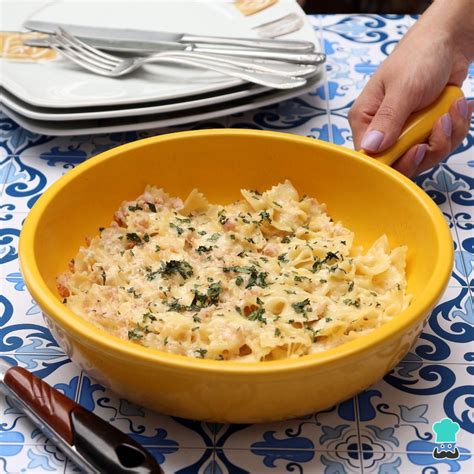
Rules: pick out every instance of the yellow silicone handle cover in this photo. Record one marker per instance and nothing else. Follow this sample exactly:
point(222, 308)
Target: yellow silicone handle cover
point(419, 125)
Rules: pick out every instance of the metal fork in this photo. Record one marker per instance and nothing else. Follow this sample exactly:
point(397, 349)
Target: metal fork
point(105, 64)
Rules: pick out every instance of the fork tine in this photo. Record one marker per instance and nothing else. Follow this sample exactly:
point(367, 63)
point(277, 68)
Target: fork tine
point(65, 49)
point(74, 59)
point(84, 46)
point(66, 38)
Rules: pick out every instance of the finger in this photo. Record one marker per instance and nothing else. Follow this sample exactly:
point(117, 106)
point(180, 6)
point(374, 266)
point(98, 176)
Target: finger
point(363, 110)
point(460, 114)
point(439, 143)
point(437, 148)
point(411, 160)
point(388, 122)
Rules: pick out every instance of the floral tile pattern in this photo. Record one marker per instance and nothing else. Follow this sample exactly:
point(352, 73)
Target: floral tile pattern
point(387, 429)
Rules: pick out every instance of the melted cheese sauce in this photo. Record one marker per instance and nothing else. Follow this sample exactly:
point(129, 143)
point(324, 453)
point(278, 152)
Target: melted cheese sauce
point(268, 277)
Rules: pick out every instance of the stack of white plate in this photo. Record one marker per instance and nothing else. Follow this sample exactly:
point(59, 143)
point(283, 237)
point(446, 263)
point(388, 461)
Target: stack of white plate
point(47, 94)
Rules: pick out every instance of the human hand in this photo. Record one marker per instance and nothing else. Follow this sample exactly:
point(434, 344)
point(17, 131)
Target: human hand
point(411, 78)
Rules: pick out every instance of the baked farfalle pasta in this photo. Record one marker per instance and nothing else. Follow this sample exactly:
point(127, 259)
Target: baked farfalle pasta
point(269, 277)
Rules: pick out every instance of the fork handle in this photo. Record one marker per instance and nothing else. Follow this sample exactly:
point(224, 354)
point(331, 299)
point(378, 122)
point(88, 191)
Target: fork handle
point(275, 81)
point(271, 44)
point(298, 58)
point(260, 65)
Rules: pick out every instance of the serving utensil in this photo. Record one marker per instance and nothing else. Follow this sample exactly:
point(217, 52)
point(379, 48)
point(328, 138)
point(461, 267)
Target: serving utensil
point(93, 444)
point(157, 37)
point(105, 64)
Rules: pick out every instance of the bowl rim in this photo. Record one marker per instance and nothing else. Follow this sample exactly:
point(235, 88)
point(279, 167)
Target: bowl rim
point(99, 339)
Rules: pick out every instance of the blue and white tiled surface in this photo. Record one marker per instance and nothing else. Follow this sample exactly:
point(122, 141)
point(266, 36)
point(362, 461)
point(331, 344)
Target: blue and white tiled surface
point(386, 430)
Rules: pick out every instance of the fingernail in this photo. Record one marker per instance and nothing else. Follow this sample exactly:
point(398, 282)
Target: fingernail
point(447, 124)
point(462, 107)
point(372, 140)
point(420, 154)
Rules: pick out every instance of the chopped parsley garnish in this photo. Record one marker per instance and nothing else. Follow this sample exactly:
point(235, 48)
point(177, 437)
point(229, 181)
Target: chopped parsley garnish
point(351, 286)
point(175, 305)
point(135, 208)
point(277, 332)
point(184, 220)
point(165, 342)
point(214, 237)
point(319, 263)
point(257, 314)
point(104, 277)
point(222, 217)
point(151, 206)
point(301, 278)
point(265, 216)
point(150, 274)
point(302, 307)
point(134, 237)
point(256, 278)
point(157, 248)
point(213, 292)
point(135, 334)
point(132, 291)
point(287, 239)
point(196, 318)
point(238, 310)
point(232, 236)
point(203, 300)
point(179, 230)
point(101, 229)
point(277, 204)
point(350, 302)
point(176, 267)
point(282, 258)
point(201, 352)
point(202, 232)
point(239, 280)
point(149, 316)
point(146, 238)
point(203, 249)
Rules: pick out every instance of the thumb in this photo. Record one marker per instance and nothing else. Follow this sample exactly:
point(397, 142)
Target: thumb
point(388, 122)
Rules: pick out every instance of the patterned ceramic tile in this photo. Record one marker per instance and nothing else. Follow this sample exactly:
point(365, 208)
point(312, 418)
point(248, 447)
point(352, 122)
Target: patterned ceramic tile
point(460, 185)
point(296, 116)
point(235, 461)
point(386, 429)
point(398, 412)
point(19, 457)
point(447, 336)
point(314, 431)
point(356, 45)
point(465, 232)
point(10, 226)
point(421, 462)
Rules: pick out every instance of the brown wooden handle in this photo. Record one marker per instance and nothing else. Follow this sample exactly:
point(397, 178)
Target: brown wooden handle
point(51, 406)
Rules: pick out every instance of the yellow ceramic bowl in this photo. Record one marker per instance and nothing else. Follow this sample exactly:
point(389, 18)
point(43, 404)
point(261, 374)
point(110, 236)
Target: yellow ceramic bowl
point(366, 195)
